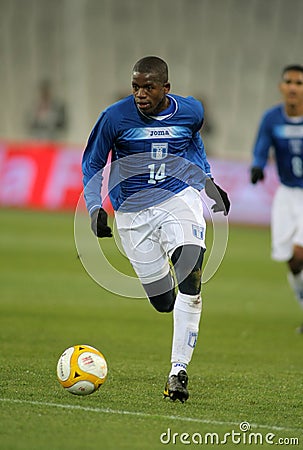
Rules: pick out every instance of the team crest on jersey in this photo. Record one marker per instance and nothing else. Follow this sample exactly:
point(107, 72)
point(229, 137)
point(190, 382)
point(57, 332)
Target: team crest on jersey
point(159, 150)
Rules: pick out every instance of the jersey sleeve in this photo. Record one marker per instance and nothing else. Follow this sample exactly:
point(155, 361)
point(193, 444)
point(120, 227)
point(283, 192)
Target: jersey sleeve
point(94, 159)
point(263, 142)
point(200, 154)
point(196, 152)
point(197, 156)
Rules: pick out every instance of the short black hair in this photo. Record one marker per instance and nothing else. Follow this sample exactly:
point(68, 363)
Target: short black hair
point(154, 65)
point(295, 67)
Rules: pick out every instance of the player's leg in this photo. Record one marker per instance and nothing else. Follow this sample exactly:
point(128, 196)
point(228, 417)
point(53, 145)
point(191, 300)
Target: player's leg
point(295, 263)
point(161, 293)
point(287, 236)
point(183, 236)
point(138, 236)
point(147, 245)
point(295, 274)
point(187, 261)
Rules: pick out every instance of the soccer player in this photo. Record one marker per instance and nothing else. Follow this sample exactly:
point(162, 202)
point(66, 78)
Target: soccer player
point(281, 128)
point(158, 164)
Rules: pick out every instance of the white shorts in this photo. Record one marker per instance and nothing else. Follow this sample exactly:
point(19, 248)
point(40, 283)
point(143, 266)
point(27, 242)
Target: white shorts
point(286, 222)
point(149, 237)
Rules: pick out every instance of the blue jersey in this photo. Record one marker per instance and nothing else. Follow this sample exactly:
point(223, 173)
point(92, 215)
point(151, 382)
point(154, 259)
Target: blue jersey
point(152, 158)
point(285, 135)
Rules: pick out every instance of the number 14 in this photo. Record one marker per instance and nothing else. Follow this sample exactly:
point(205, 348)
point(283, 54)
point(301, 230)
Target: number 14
point(156, 175)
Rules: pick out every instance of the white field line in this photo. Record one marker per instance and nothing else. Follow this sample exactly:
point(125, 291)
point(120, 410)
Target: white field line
point(142, 414)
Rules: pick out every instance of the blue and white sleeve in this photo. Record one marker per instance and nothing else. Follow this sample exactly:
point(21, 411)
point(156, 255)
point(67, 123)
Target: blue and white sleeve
point(262, 144)
point(94, 160)
point(196, 154)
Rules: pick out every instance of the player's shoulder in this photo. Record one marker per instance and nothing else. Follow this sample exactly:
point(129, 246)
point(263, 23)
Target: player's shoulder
point(189, 105)
point(189, 101)
point(116, 113)
point(273, 113)
point(123, 105)
point(113, 115)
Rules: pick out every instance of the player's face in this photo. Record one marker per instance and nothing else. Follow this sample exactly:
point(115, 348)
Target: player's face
point(292, 88)
point(149, 93)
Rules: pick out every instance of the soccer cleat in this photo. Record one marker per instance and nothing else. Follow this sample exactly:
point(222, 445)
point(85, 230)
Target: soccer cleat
point(176, 387)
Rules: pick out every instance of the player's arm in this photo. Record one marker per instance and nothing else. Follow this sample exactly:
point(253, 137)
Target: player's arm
point(261, 148)
point(93, 162)
point(199, 166)
point(197, 155)
point(216, 193)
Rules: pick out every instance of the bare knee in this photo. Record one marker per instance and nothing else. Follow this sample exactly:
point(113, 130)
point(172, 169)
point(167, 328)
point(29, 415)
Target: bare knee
point(296, 262)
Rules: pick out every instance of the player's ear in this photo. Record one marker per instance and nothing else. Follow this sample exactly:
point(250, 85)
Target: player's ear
point(167, 87)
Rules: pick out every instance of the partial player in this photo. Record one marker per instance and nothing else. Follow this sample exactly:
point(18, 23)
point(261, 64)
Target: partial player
point(281, 129)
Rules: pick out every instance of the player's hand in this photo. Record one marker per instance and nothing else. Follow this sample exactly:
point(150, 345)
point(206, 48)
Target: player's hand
point(99, 223)
point(216, 193)
point(256, 174)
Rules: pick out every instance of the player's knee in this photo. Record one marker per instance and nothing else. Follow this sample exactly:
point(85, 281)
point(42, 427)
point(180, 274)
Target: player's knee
point(187, 262)
point(296, 262)
point(164, 303)
point(161, 293)
point(298, 253)
point(191, 285)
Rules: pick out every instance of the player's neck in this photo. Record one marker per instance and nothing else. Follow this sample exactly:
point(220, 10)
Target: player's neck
point(294, 110)
point(163, 106)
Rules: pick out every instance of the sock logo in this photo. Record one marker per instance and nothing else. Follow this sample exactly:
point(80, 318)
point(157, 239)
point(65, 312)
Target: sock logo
point(183, 366)
point(192, 339)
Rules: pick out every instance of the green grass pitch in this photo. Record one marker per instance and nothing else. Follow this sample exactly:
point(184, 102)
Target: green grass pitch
point(247, 366)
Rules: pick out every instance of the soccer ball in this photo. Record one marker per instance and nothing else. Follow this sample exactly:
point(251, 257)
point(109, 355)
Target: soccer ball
point(81, 369)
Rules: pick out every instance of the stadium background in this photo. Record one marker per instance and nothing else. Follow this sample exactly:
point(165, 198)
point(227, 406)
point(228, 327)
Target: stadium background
point(228, 53)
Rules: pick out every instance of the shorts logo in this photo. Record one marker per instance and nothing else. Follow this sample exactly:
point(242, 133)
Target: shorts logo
point(159, 150)
point(198, 231)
